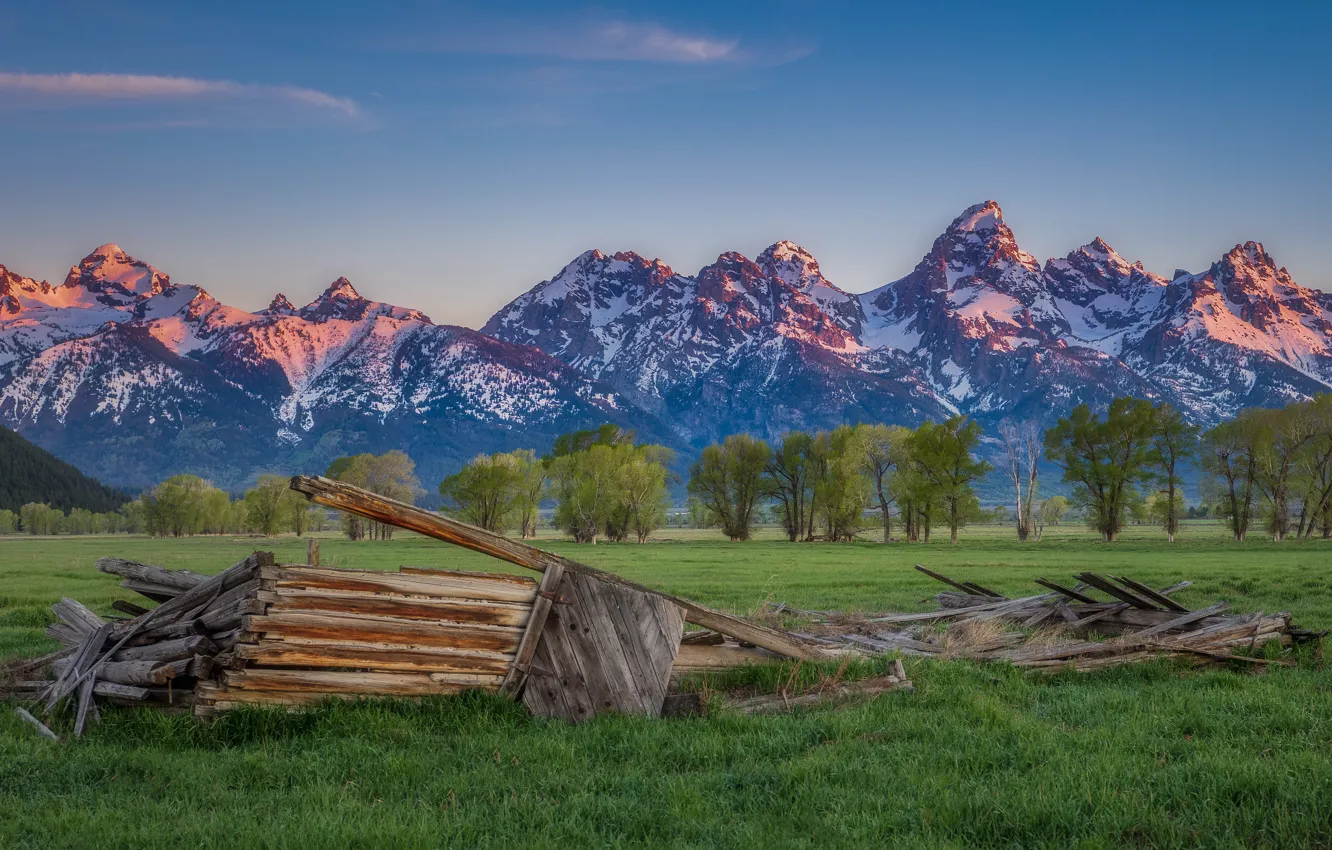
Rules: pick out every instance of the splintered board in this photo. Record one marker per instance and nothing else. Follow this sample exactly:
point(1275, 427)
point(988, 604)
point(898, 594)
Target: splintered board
point(603, 648)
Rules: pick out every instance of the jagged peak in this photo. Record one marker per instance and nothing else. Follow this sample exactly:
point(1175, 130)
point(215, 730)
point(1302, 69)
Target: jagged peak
point(1250, 254)
point(110, 249)
point(340, 288)
point(787, 250)
point(979, 218)
point(281, 305)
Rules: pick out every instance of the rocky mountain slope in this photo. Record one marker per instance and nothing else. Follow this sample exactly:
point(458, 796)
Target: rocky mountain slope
point(133, 376)
point(979, 327)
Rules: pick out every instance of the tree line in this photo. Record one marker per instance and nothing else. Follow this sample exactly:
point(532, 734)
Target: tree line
point(188, 505)
point(604, 484)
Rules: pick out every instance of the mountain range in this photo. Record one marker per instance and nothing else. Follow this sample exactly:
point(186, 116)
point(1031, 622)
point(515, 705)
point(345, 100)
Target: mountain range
point(131, 376)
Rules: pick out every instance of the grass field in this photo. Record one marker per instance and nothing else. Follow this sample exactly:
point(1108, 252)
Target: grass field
point(1155, 756)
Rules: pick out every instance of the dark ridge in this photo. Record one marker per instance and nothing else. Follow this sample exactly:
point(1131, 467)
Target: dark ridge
point(32, 474)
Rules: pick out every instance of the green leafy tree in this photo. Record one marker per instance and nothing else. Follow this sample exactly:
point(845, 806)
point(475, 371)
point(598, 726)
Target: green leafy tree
point(842, 493)
point(1053, 510)
point(1176, 442)
point(883, 454)
point(8, 521)
point(728, 480)
point(392, 474)
point(177, 506)
point(789, 481)
point(267, 505)
point(1230, 457)
point(1106, 460)
point(943, 455)
point(485, 491)
point(586, 485)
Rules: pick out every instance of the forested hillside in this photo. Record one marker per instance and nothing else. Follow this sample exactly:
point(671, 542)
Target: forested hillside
point(31, 474)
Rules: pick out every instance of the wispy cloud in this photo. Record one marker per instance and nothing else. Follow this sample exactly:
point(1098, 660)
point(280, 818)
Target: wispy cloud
point(596, 41)
point(54, 89)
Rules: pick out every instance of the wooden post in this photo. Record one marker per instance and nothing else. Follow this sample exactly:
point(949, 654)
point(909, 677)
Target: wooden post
point(312, 552)
point(354, 500)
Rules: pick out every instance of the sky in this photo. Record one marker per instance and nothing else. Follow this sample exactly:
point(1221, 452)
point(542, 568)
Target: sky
point(449, 156)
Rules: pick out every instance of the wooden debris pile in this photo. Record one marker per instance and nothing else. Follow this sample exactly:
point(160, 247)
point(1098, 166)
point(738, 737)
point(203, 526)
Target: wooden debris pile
point(149, 657)
point(1052, 631)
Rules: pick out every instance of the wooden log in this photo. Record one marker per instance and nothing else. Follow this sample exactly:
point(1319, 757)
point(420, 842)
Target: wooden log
point(703, 637)
point(312, 552)
point(85, 705)
point(175, 580)
point(1151, 595)
point(838, 692)
point(1069, 592)
point(36, 724)
point(348, 630)
point(516, 676)
point(517, 581)
point(155, 592)
point(120, 692)
point(1118, 592)
point(345, 497)
point(77, 615)
point(437, 587)
point(169, 650)
point(948, 581)
point(379, 684)
point(398, 607)
point(142, 672)
point(84, 659)
point(702, 657)
point(282, 654)
point(128, 608)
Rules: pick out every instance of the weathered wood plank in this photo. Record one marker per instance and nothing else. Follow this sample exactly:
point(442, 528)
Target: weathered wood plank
point(517, 581)
point(440, 587)
point(405, 633)
point(345, 497)
point(177, 581)
point(401, 607)
point(282, 654)
point(700, 657)
point(385, 684)
point(167, 650)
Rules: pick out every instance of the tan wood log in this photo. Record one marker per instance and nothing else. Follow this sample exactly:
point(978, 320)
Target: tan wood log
point(283, 654)
point(400, 607)
point(312, 552)
point(697, 657)
point(350, 630)
point(142, 672)
point(345, 497)
point(129, 608)
point(384, 684)
point(437, 587)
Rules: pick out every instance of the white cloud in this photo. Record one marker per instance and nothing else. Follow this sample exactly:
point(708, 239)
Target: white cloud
point(592, 41)
point(146, 87)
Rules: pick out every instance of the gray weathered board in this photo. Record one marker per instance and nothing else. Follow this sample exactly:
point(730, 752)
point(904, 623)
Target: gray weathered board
point(604, 648)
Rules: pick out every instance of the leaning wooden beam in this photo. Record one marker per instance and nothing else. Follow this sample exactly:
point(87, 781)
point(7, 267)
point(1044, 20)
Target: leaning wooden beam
point(527, 645)
point(173, 581)
point(354, 500)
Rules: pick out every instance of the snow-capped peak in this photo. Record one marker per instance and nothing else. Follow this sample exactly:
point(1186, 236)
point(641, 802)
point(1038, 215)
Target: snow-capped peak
point(980, 218)
point(117, 276)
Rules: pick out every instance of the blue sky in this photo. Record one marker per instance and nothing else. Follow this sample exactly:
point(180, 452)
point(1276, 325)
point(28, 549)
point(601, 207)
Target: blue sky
point(449, 156)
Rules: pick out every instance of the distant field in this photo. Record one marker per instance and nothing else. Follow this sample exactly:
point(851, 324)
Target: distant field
point(1151, 756)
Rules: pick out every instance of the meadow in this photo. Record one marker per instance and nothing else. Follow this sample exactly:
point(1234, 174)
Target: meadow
point(1159, 755)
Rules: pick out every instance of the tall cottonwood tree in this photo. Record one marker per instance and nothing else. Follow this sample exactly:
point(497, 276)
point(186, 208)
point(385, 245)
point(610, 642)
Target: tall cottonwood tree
point(1176, 443)
point(789, 482)
point(728, 480)
point(883, 453)
point(1106, 460)
point(943, 455)
point(1021, 464)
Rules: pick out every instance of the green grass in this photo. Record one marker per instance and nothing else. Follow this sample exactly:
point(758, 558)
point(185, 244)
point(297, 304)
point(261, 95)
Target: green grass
point(1156, 755)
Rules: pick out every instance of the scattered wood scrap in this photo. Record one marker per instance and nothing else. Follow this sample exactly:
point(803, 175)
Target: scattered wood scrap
point(1055, 630)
